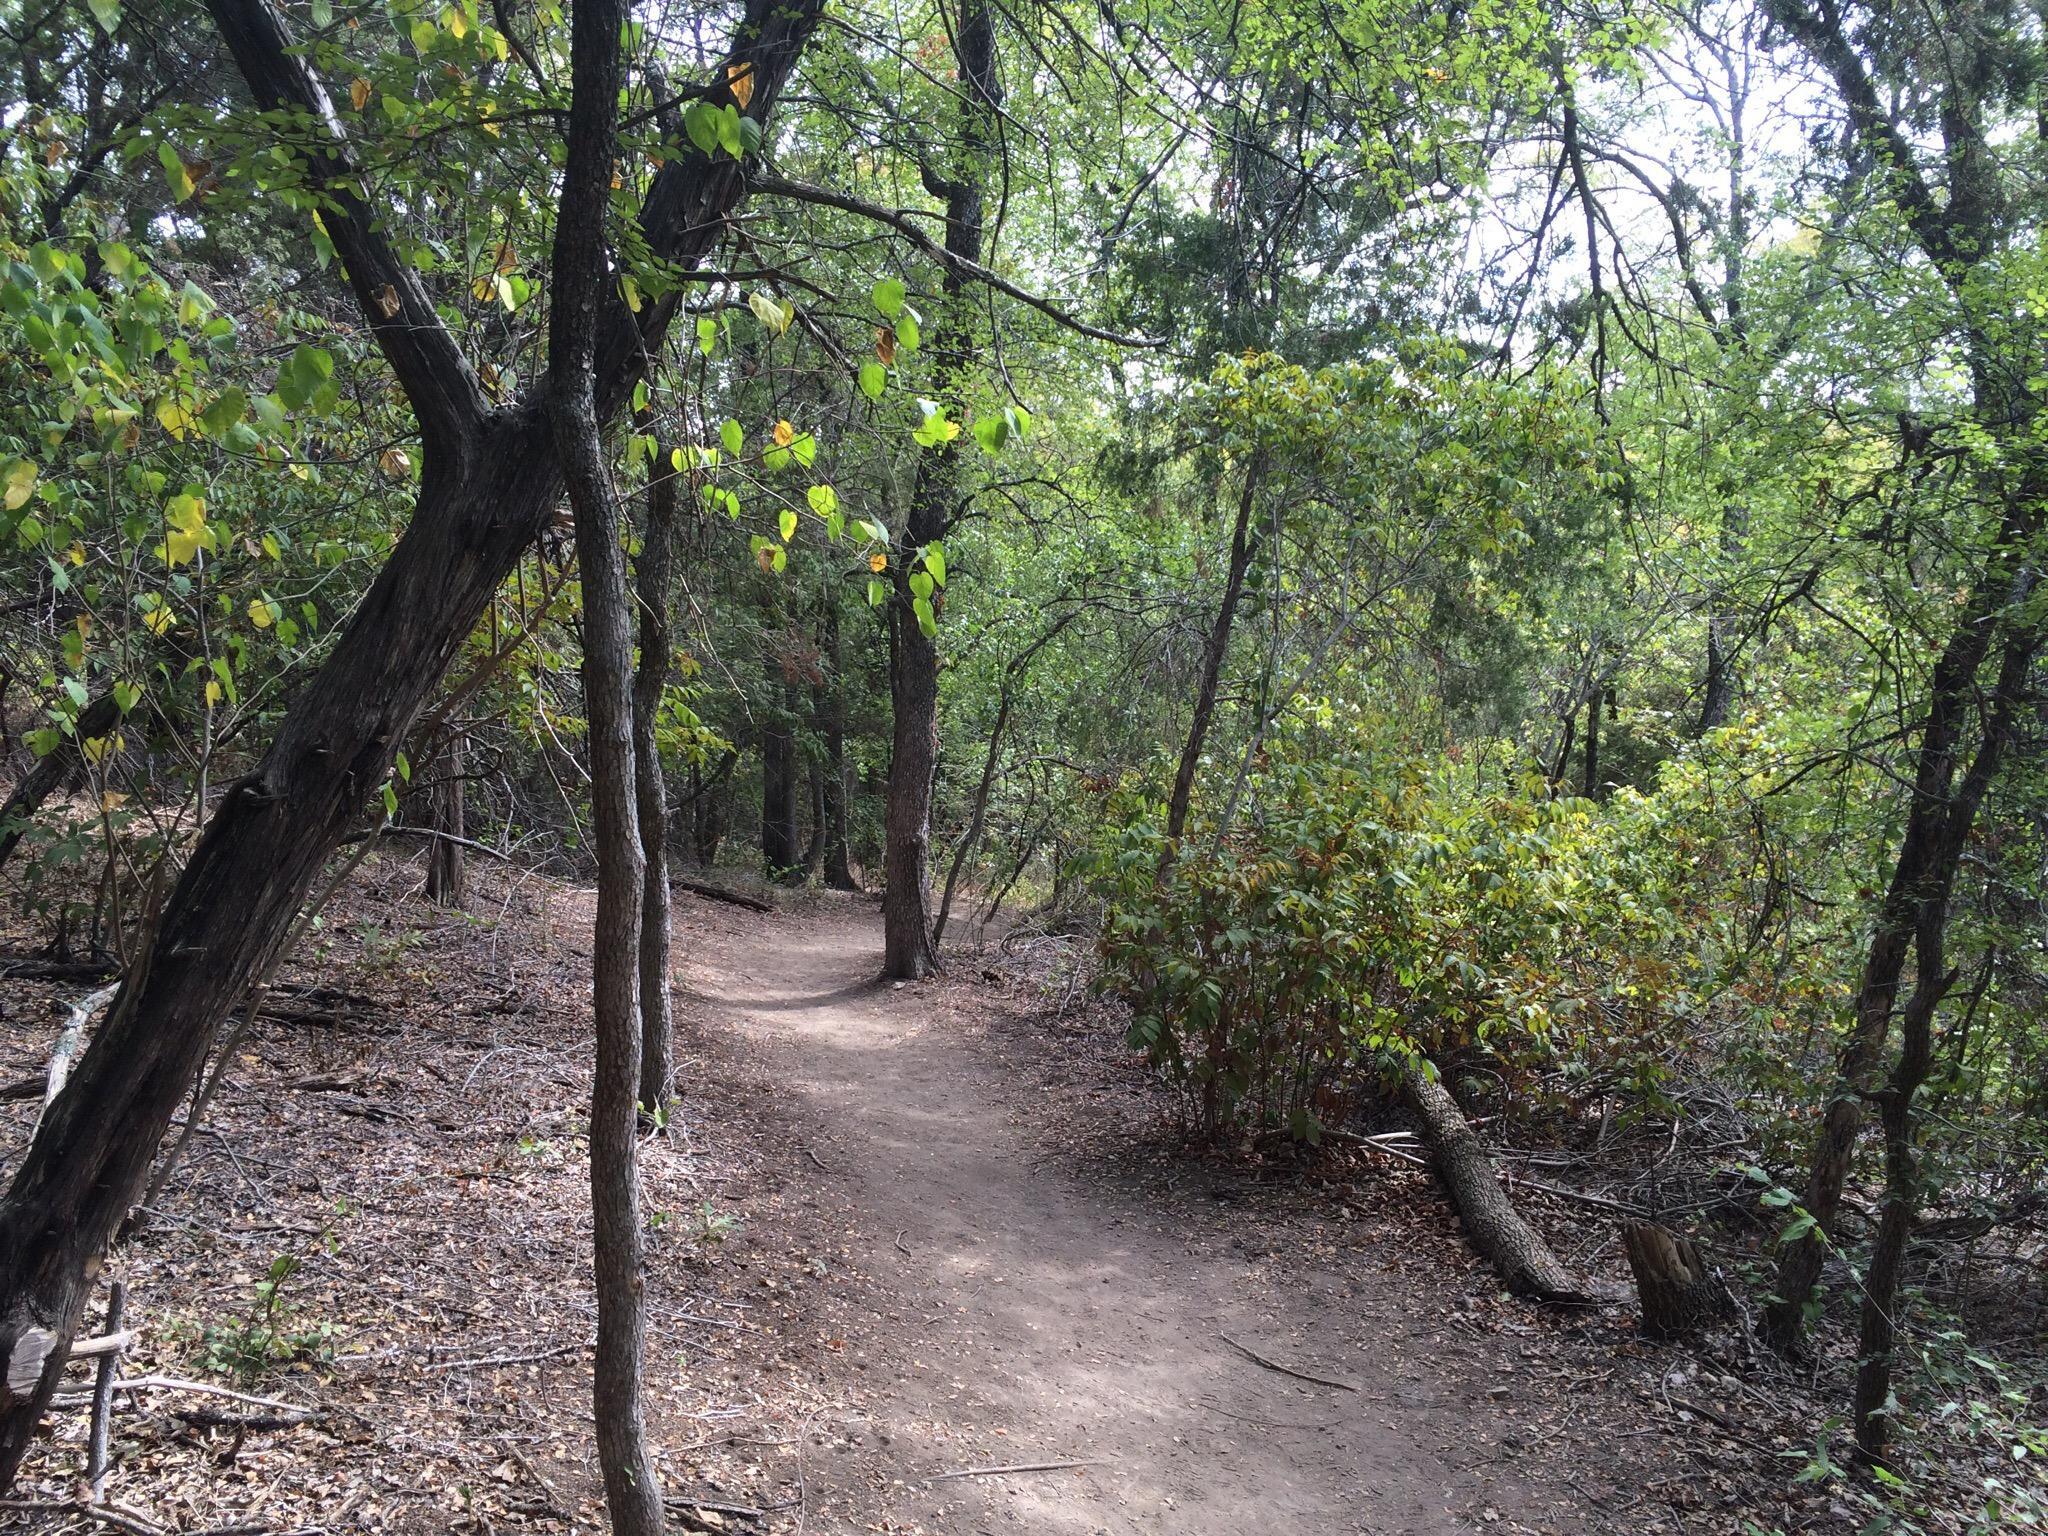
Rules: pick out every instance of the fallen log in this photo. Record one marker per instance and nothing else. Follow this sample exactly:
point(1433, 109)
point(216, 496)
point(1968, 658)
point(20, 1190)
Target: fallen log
point(719, 893)
point(1523, 1260)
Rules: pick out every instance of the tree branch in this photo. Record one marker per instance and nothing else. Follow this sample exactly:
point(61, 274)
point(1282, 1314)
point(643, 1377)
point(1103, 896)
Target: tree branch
point(824, 197)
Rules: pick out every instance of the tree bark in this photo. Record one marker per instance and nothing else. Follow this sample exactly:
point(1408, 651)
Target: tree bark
point(779, 852)
point(582, 289)
point(908, 950)
point(838, 855)
point(447, 870)
point(655, 579)
point(489, 483)
point(53, 771)
point(1214, 654)
point(1678, 1292)
point(1523, 1261)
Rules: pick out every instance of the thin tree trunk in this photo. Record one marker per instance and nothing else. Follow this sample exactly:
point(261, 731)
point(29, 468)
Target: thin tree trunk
point(838, 856)
point(1923, 874)
point(1590, 788)
point(447, 870)
point(655, 578)
point(779, 852)
point(908, 951)
point(489, 483)
point(1214, 654)
point(1932, 981)
point(582, 289)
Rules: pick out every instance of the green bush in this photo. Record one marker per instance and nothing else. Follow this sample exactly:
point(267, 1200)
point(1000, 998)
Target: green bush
point(1370, 903)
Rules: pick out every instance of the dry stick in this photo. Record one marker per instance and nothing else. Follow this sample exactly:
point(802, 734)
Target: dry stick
point(103, 1395)
point(119, 1519)
point(66, 1049)
point(207, 1389)
point(1022, 1466)
point(1285, 1370)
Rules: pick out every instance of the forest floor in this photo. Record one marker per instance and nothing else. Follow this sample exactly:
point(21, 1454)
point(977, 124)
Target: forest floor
point(902, 1235)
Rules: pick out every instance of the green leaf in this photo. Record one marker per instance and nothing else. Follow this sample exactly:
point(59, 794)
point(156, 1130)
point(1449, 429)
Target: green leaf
point(889, 295)
point(907, 332)
point(823, 499)
point(733, 436)
point(921, 583)
point(174, 170)
point(991, 432)
point(774, 317)
point(750, 136)
point(107, 13)
point(935, 562)
point(874, 378)
point(878, 591)
point(700, 122)
point(805, 448)
point(785, 522)
point(640, 395)
point(927, 621)
point(707, 334)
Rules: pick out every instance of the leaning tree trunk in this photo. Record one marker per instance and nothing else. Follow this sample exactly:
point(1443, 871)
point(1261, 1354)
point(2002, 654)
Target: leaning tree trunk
point(489, 484)
point(53, 771)
point(908, 951)
point(655, 578)
point(1523, 1260)
point(779, 852)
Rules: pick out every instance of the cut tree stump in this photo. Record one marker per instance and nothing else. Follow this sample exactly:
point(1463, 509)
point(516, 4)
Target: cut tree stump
point(1679, 1291)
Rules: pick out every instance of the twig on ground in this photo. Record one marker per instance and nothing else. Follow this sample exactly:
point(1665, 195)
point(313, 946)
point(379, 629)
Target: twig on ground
point(901, 1246)
point(1014, 1467)
point(1287, 1370)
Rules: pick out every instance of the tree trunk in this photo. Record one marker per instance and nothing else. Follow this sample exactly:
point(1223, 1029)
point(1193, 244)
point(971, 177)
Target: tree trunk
point(779, 852)
point(650, 786)
point(1523, 1260)
point(838, 856)
point(447, 871)
point(814, 841)
point(53, 771)
point(1591, 787)
point(1938, 823)
point(489, 483)
point(582, 289)
point(1214, 654)
point(908, 951)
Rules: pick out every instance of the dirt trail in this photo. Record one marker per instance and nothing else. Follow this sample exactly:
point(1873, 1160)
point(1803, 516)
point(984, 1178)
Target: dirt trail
point(1010, 1308)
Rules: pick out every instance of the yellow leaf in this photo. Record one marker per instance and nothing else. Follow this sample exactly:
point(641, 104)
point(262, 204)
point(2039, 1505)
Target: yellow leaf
point(259, 613)
point(159, 620)
point(212, 693)
point(112, 800)
point(97, 747)
point(186, 518)
point(359, 93)
point(20, 483)
point(878, 562)
point(76, 555)
point(173, 417)
point(456, 23)
point(785, 434)
point(739, 79)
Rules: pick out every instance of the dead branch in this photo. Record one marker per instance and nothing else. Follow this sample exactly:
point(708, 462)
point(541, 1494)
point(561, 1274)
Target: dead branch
point(1286, 1370)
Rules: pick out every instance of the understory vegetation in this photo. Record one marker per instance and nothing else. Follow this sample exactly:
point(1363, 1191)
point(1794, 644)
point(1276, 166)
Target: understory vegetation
point(1482, 562)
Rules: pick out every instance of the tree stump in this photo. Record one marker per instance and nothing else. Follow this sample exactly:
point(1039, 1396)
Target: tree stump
point(1680, 1293)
